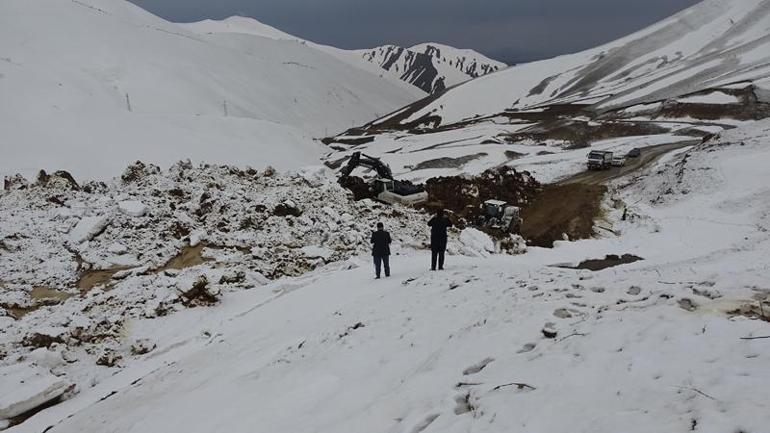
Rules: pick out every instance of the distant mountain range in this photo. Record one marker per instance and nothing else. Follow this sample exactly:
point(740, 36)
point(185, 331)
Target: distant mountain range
point(432, 67)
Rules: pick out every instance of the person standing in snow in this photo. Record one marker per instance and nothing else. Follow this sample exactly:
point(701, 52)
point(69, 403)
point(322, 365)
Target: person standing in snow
point(438, 238)
point(381, 250)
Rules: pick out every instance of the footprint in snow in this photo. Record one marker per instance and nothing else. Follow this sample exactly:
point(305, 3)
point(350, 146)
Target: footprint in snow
point(475, 368)
point(527, 348)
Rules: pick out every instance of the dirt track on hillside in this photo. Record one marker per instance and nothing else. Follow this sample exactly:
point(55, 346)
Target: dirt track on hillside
point(649, 155)
point(567, 209)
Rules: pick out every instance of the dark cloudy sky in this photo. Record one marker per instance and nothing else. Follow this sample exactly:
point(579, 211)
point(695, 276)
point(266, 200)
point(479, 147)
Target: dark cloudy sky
point(509, 30)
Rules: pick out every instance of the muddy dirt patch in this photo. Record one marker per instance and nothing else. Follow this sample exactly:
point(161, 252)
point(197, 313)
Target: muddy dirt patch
point(187, 258)
point(97, 277)
point(610, 261)
point(562, 212)
point(756, 311)
point(41, 297)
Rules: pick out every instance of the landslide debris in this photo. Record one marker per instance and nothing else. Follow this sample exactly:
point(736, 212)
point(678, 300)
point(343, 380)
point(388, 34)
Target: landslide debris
point(464, 196)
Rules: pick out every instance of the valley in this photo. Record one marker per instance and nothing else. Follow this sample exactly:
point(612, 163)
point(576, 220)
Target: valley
point(178, 251)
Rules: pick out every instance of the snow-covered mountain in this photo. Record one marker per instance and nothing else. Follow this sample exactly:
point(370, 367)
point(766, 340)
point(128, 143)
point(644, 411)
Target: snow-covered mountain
point(697, 72)
point(90, 85)
point(432, 67)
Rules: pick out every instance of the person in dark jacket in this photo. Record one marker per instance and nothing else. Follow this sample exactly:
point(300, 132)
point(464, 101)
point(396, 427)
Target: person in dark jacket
point(438, 238)
point(381, 250)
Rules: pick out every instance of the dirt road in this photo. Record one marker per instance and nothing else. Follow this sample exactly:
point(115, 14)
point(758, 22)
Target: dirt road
point(571, 206)
point(649, 155)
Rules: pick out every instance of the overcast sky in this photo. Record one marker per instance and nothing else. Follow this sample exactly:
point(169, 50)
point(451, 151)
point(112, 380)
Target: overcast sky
point(509, 30)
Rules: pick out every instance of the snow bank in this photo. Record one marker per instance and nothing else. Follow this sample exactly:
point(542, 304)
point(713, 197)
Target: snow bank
point(25, 388)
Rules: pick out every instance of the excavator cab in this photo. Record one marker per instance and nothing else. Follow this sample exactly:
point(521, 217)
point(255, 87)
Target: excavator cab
point(383, 185)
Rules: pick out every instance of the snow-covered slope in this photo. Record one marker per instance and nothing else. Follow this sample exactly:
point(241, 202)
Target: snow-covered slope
point(701, 71)
point(91, 85)
point(716, 42)
point(431, 67)
point(234, 28)
point(237, 24)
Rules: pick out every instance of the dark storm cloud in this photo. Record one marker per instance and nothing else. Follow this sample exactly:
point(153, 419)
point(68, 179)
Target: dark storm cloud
point(510, 30)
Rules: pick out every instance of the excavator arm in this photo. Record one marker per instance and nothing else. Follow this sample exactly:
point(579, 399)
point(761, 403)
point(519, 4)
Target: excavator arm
point(358, 159)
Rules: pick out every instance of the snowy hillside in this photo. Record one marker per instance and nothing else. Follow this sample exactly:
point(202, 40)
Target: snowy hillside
point(696, 73)
point(92, 85)
point(431, 67)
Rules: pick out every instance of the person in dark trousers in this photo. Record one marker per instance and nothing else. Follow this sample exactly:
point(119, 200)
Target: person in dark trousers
point(381, 250)
point(438, 238)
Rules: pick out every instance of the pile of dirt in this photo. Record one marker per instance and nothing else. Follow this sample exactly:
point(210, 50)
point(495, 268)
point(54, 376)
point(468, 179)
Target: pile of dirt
point(561, 210)
point(359, 187)
point(465, 195)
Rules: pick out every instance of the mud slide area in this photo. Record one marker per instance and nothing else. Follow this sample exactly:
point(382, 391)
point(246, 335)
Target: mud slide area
point(562, 212)
point(568, 209)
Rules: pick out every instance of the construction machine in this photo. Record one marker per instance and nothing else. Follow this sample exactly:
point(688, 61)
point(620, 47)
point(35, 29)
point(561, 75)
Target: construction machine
point(386, 189)
point(499, 215)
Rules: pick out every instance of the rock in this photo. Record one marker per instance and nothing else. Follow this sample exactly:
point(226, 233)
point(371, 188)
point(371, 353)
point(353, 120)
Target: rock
point(232, 277)
point(287, 208)
point(59, 179)
point(562, 313)
point(687, 304)
point(88, 228)
point(142, 347)
point(199, 293)
point(549, 330)
point(109, 359)
point(15, 183)
point(44, 338)
point(137, 171)
point(133, 208)
point(634, 290)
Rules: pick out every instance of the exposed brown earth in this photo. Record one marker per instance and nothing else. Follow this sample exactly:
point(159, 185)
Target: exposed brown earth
point(609, 261)
point(464, 196)
point(187, 258)
point(97, 277)
point(559, 210)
